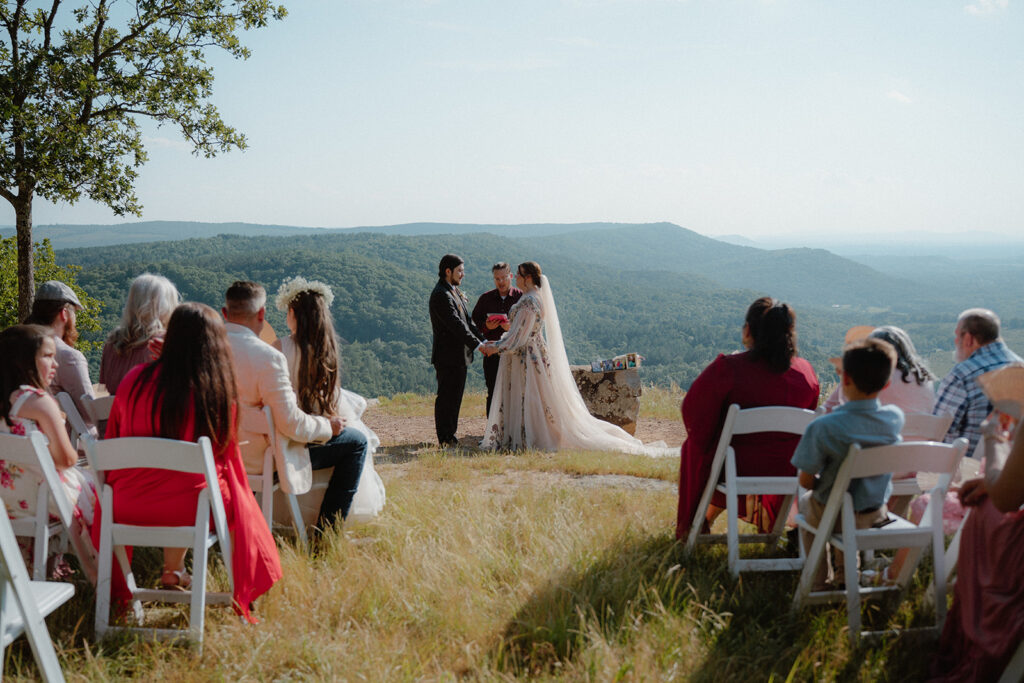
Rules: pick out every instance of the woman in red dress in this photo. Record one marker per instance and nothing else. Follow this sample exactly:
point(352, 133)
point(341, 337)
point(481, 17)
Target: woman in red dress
point(187, 393)
point(769, 373)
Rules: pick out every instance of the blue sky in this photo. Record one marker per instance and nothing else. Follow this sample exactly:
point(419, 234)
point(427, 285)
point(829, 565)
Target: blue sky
point(762, 118)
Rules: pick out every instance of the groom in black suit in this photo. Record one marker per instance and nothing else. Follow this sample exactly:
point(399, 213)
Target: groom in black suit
point(455, 339)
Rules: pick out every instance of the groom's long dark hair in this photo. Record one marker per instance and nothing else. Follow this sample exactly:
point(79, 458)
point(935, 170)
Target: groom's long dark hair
point(448, 262)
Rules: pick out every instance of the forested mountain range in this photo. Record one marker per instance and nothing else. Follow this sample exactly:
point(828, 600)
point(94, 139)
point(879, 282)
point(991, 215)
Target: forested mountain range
point(672, 295)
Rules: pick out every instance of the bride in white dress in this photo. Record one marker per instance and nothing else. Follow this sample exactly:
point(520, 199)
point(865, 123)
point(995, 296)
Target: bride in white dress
point(536, 403)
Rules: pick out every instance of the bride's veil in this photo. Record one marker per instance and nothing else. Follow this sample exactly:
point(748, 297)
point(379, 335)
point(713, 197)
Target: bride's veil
point(563, 384)
point(578, 427)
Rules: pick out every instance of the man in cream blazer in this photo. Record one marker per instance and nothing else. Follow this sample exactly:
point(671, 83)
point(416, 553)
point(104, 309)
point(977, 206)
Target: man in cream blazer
point(261, 378)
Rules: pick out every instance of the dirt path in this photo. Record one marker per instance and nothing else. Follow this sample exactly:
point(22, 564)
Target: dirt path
point(419, 430)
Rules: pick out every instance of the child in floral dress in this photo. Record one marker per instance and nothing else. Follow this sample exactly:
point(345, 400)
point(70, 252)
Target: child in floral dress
point(29, 354)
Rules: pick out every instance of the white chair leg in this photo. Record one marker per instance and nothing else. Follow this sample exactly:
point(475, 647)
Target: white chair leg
point(850, 571)
point(200, 550)
point(41, 544)
point(297, 520)
point(732, 515)
point(104, 565)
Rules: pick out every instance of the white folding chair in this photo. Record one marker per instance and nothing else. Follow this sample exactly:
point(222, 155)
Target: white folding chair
point(75, 421)
point(1014, 671)
point(98, 408)
point(263, 484)
point(936, 458)
point(31, 452)
point(175, 456)
point(919, 427)
point(783, 419)
point(24, 603)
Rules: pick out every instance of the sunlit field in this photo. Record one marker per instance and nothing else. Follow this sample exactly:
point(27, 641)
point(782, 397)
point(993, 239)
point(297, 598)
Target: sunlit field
point(500, 567)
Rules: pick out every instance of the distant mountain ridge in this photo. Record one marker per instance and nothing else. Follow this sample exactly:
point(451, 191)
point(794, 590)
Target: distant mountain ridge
point(63, 236)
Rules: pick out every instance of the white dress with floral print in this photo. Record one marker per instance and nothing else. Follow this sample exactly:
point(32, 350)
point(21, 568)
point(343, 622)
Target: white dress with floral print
point(19, 486)
point(532, 407)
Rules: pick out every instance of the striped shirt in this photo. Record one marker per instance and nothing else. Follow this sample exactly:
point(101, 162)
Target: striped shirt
point(960, 396)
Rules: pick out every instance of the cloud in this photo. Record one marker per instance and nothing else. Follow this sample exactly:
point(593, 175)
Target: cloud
point(500, 65)
point(982, 7)
point(899, 97)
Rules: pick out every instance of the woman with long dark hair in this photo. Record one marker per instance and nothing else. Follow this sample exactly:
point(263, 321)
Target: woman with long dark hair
point(187, 393)
point(314, 369)
point(768, 373)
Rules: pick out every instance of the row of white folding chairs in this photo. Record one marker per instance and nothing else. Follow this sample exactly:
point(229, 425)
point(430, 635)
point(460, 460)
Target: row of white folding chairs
point(794, 421)
point(262, 483)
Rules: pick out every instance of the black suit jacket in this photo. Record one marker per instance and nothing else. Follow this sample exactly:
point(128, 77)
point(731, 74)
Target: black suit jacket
point(455, 335)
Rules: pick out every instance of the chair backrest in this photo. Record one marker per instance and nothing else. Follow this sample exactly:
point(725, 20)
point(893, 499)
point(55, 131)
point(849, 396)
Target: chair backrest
point(164, 454)
point(98, 407)
point(925, 427)
point(919, 456)
point(31, 451)
point(74, 418)
point(767, 419)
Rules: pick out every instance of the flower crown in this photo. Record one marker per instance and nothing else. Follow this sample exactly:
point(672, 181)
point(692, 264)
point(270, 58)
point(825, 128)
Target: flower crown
point(290, 289)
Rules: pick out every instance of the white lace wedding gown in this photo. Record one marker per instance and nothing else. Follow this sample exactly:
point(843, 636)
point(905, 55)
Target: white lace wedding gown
point(536, 403)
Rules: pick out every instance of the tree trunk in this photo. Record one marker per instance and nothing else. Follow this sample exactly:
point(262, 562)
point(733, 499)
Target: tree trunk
point(26, 269)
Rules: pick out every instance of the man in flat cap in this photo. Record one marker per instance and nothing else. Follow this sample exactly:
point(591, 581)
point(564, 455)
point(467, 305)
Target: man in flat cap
point(55, 307)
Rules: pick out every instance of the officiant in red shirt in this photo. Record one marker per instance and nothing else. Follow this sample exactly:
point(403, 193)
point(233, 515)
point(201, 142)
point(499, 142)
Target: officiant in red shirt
point(489, 307)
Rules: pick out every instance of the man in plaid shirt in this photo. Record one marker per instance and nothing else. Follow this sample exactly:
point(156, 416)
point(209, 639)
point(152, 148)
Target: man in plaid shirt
point(978, 350)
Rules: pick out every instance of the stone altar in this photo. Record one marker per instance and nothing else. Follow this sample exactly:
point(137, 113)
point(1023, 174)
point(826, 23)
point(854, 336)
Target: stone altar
point(612, 396)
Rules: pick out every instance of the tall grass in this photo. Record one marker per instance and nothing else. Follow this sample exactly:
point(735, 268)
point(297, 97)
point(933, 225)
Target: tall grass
point(498, 568)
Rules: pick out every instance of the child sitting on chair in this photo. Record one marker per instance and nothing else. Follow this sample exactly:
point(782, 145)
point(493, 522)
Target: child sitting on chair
point(867, 366)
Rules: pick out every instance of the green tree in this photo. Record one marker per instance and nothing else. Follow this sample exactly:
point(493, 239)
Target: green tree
point(47, 268)
point(76, 81)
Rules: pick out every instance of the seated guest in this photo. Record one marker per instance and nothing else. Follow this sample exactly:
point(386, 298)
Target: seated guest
point(769, 373)
point(862, 419)
point(151, 300)
point(29, 366)
point(55, 307)
point(313, 363)
point(979, 349)
point(911, 385)
point(261, 377)
point(187, 393)
point(986, 623)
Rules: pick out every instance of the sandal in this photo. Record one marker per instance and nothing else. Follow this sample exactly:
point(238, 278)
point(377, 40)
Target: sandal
point(177, 579)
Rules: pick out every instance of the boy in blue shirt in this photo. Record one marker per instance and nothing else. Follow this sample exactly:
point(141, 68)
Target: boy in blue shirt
point(867, 366)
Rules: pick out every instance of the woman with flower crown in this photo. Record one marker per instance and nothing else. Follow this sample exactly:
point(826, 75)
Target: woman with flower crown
point(536, 403)
point(355, 490)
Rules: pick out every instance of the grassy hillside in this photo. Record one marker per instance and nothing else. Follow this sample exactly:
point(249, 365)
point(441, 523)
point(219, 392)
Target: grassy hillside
point(496, 568)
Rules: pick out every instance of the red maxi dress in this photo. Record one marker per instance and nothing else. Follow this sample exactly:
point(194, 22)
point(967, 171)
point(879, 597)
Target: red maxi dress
point(740, 379)
point(159, 497)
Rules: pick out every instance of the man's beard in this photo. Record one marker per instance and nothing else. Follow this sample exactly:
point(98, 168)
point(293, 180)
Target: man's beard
point(70, 335)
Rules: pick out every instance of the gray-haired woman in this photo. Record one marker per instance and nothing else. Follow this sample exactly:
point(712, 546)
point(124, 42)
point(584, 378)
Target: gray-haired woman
point(151, 300)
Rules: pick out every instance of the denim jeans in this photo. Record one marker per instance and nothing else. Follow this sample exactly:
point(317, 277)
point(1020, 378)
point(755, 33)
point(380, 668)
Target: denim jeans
point(346, 453)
